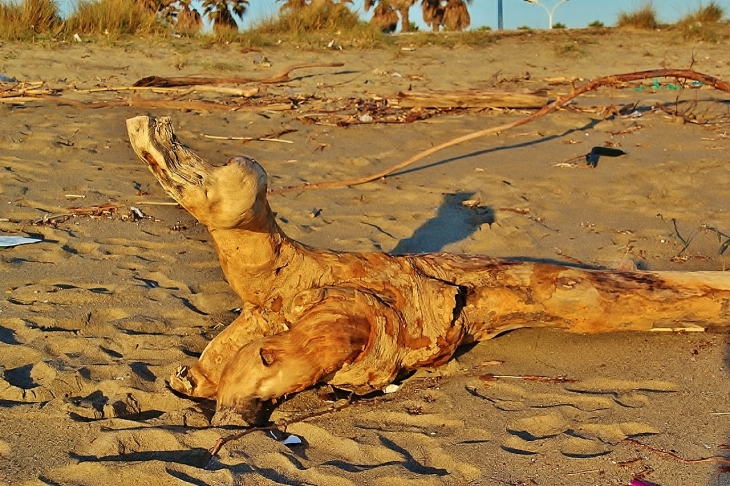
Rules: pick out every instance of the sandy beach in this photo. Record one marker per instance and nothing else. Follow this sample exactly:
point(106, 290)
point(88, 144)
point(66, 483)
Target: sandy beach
point(125, 285)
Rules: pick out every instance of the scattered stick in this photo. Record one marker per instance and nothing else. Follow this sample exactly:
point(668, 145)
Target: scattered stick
point(543, 379)
point(282, 77)
point(93, 211)
point(717, 459)
point(281, 427)
point(199, 89)
point(555, 105)
point(274, 137)
point(168, 104)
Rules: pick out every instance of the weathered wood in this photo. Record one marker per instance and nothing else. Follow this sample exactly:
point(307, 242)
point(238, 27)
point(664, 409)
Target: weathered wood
point(471, 98)
point(357, 320)
point(280, 77)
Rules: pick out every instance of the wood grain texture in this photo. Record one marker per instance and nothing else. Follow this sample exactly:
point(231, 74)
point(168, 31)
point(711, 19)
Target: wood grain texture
point(358, 320)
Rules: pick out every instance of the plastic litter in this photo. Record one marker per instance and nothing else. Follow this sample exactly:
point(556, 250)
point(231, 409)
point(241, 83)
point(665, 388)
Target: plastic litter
point(8, 241)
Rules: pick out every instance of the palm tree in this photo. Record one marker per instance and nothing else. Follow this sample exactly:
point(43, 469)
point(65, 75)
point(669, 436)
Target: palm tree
point(384, 17)
point(451, 14)
point(433, 13)
point(221, 12)
point(402, 6)
point(456, 15)
point(293, 5)
point(188, 20)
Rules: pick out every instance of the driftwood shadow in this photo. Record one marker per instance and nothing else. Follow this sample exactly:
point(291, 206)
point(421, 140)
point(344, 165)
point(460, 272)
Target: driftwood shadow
point(453, 222)
point(492, 150)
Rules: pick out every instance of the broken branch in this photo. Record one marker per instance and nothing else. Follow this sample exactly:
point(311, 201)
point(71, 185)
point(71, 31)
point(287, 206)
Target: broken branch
point(281, 77)
point(558, 103)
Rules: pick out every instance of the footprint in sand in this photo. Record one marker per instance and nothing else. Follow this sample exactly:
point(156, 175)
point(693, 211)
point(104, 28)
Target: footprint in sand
point(579, 423)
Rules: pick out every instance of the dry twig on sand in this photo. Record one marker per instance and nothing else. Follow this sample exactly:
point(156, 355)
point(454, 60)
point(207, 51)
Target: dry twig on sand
point(555, 105)
point(281, 77)
point(720, 460)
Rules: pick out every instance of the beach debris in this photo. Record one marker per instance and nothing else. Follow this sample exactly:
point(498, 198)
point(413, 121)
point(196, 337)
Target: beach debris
point(7, 79)
point(273, 137)
point(77, 38)
point(392, 388)
point(718, 459)
point(640, 482)
point(598, 152)
point(99, 211)
point(10, 241)
point(560, 102)
point(472, 98)
point(492, 362)
point(542, 379)
point(292, 440)
point(281, 77)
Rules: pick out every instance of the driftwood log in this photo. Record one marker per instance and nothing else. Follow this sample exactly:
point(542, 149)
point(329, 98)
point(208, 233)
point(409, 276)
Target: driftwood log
point(358, 320)
point(472, 98)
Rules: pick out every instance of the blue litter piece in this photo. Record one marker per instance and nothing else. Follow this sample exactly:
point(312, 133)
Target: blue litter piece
point(7, 79)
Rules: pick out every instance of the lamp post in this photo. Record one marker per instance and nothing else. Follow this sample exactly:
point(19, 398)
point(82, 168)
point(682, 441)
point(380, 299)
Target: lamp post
point(500, 18)
point(549, 12)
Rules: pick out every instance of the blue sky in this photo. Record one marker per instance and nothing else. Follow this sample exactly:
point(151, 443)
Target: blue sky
point(573, 13)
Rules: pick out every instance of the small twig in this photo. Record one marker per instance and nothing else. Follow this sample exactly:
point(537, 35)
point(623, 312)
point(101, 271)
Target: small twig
point(228, 438)
point(557, 104)
point(280, 426)
point(272, 138)
point(720, 460)
point(544, 379)
point(158, 203)
point(587, 471)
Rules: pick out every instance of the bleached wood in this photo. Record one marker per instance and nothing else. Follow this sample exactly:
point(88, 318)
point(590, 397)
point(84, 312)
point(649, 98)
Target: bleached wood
point(357, 320)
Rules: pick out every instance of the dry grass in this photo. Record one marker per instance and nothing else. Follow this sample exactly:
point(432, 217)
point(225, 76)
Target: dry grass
point(113, 18)
point(318, 17)
point(28, 20)
point(710, 13)
point(645, 17)
point(704, 23)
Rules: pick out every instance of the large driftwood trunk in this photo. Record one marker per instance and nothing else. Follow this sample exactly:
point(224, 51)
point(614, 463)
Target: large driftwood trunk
point(357, 320)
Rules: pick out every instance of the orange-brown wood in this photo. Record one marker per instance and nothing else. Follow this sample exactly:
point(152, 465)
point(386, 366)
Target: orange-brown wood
point(357, 320)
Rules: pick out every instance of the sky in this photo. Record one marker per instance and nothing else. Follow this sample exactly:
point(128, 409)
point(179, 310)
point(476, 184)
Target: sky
point(517, 13)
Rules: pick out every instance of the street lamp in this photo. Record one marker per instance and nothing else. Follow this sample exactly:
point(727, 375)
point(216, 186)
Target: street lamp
point(549, 12)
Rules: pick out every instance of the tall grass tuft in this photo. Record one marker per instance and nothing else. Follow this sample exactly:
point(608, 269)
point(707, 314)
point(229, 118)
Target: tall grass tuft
point(645, 17)
point(114, 18)
point(28, 19)
point(318, 17)
point(710, 13)
point(703, 23)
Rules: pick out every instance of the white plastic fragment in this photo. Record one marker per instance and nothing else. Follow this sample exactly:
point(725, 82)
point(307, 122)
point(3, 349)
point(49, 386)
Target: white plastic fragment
point(8, 241)
point(292, 440)
point(391, 389)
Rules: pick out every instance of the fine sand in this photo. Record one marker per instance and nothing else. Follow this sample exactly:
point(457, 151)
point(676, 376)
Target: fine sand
point(95, 317)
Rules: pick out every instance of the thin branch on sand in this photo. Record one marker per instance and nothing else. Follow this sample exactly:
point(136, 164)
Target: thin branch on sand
point(555, 105)
point(280, 426)
point(721, 460)
point(281, 77)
